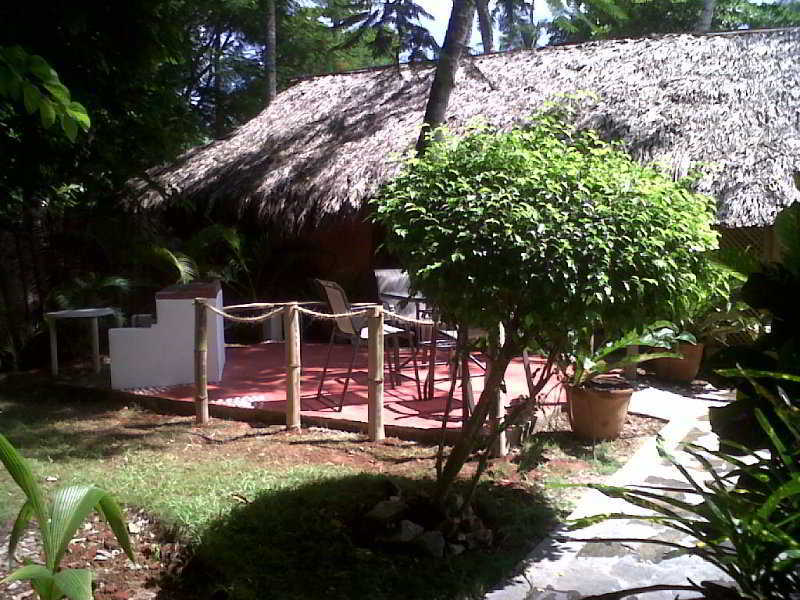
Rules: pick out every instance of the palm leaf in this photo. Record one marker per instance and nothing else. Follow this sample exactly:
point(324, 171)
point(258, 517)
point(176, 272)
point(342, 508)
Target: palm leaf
point(45, 588)
point(71, 505)
point(184, 265)
point(21, 522)
point(22, 475)
point(29, 573)
point(75, 584)
point(113, 514)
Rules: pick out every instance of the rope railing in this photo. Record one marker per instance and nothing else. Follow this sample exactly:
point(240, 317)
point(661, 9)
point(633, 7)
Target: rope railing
point(235, 319)
point(307, 311)
point(291, 311)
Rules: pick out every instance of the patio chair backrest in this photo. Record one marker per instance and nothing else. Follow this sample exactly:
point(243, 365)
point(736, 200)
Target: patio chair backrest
point(398, 283)
point(337, 302)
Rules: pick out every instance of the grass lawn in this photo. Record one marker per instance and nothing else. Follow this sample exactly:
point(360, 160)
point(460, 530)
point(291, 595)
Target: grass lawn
point(272, 514)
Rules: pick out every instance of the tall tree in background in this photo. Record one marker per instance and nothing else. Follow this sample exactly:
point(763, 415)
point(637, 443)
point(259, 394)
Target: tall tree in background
point(391, 27)
point(270, 51)
point(455, 41)
point(517, 23)
point(706, 16)
point(485, 25)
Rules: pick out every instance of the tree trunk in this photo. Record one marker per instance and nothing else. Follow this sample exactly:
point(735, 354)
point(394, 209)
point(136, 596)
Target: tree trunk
point(12, 300)
point(458, 30)
point(270, 46)
point(704, 23)
point(472, 428)
point(37, 244)
point(485, 25)
point(219, 115)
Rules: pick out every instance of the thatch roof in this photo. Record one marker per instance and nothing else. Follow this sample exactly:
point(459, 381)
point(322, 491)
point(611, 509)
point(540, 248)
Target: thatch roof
point(729, 102)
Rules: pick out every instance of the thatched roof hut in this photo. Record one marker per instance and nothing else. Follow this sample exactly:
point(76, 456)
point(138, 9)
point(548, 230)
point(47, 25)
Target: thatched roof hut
point(729, 102)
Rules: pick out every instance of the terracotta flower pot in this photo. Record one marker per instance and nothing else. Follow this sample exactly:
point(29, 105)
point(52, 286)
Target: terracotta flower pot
point(598, 414)
point(680, 369)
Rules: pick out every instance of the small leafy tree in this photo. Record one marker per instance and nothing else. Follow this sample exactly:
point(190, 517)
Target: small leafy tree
point(551, 234)
point(57, 520)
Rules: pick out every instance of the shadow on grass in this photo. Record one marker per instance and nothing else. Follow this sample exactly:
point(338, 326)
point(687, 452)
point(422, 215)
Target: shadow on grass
point(301, 543)
point(533, 453)
point(51, 424)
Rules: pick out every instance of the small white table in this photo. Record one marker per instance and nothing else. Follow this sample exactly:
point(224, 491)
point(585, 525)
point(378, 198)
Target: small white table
point(82, 313)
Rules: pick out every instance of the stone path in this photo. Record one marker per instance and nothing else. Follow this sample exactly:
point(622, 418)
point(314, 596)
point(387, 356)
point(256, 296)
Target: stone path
point(571, 570)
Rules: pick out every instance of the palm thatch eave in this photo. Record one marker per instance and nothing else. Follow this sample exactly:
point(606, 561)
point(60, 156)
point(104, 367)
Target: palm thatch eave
point(726, 104)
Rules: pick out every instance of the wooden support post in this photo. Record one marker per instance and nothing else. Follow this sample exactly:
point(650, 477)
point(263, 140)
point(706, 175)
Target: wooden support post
point(51, 325)
point(95, 331)
point(498, 411)
point(630, 370)
point(201, 361)
point(467, 395)
point(375, 394)
point(291, 317)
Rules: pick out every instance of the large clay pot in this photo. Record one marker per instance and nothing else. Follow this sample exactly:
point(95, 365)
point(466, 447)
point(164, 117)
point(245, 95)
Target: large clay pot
point(680, 369)
point(597, 414)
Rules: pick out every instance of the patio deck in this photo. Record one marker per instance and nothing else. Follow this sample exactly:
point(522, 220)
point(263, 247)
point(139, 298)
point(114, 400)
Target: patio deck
point(254, 386)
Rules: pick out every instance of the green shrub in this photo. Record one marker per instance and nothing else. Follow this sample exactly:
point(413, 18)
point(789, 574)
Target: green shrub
point(551, 232)
point(548, 230)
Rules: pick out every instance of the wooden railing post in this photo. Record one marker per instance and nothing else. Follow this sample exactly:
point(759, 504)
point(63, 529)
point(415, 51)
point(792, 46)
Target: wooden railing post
point(375, 394)
point(291, 317)
point(201, 361)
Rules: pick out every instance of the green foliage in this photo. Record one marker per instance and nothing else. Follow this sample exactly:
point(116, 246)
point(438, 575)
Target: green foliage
point(548, 230)
point(57, 520)
point(90, 289)
point(747, 522)
point(597, 19)
point(772, 289)
point(389, 28)
point(589, 364)
point(29, 80)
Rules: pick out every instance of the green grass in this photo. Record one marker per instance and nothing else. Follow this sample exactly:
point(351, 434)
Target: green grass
point(140, 470)
point(259, 529)
point(545, 446)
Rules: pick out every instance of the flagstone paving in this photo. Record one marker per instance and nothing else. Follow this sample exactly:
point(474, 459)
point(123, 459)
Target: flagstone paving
point(570, 570)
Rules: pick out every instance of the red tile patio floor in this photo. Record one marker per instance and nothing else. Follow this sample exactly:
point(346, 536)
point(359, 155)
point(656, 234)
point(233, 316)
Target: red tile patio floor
point(254, 385)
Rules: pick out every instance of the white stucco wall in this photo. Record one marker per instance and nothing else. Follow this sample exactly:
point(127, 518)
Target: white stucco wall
point(163, 355)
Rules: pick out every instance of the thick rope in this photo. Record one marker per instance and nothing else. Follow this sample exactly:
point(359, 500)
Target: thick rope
point(306, 311)
point(318, 315)
point(257, 305)
point(256, 319)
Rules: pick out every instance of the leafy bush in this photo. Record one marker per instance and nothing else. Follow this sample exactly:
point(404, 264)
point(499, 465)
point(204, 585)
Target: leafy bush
point(747, 521)
point(57, 520)
point(549, 231)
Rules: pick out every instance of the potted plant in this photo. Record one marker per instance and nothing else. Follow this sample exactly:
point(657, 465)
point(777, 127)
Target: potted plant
point(598, 393)
point(711, 315)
